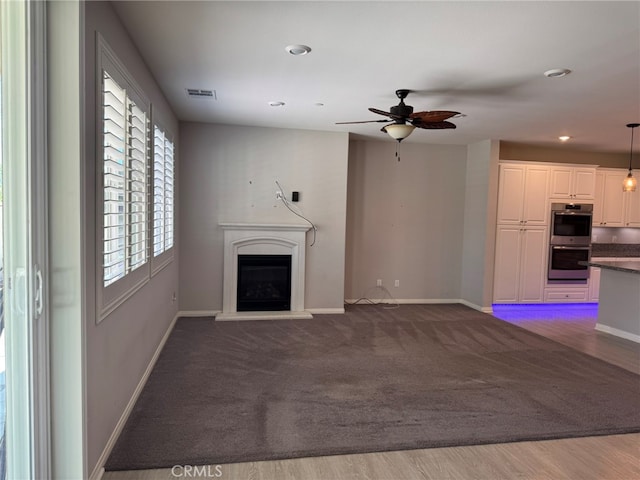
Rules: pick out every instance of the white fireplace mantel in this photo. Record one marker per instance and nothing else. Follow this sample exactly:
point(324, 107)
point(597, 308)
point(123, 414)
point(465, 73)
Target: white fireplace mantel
point(263, 239)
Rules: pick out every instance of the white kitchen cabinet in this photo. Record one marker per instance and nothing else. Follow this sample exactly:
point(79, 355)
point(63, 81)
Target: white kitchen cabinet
point(613, 207)
point(608, 209)
point(523, 195)
point(566, 294)
point(632, 205)
point(575, 183)
point(521, 264)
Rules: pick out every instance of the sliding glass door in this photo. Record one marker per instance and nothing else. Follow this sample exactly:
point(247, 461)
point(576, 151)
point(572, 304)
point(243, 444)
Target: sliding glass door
point(23, 332)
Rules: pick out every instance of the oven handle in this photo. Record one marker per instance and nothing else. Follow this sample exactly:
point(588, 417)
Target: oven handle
point(582, 214)
point(564, 247)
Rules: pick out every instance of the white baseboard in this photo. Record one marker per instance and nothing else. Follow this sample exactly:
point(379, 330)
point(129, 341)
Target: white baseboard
point(617, 332)
point(476, 307)
point(198, 313)
point(98, 471)
point(325, 311)
point(424, 301)
point(392, 301)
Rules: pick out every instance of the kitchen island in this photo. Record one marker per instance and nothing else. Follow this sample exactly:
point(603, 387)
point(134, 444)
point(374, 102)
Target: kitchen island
point(619, 304)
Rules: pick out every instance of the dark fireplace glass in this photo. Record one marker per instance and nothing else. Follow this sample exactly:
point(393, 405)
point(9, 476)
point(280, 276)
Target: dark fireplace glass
point(264, 283)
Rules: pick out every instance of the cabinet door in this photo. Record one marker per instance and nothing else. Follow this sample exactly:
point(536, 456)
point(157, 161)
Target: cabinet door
point(613, 200)
point(561, 178)
point(510, 194)
point(633, 207)
point(584, 183)
point(599, 200)
point(505, 285)
point(533, 264)
point(536, 195)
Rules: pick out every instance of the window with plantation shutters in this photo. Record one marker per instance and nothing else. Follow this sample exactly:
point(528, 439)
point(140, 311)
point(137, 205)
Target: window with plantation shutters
point(125, 160)
point(135, 165)
point(163, 191)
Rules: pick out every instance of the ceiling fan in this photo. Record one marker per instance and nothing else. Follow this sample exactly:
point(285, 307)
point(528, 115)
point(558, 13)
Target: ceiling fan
point(405, 120)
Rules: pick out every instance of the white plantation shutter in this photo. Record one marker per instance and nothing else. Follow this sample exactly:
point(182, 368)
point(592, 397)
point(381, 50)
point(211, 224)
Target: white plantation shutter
point(158, 191)
point(125, 160)
point(137, 182)
point(163, 201)
point(114, 119)
point(168, 194)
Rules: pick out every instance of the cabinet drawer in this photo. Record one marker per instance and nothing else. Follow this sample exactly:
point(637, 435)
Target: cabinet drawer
point(566, 295)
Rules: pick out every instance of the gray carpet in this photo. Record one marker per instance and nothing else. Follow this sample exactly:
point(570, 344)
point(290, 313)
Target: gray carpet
point(373, 379)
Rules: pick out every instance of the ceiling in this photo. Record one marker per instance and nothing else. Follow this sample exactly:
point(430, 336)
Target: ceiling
point(483, 59)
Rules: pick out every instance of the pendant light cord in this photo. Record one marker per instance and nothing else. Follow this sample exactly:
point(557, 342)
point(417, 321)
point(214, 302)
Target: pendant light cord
point(398, 146)
point(632, 126)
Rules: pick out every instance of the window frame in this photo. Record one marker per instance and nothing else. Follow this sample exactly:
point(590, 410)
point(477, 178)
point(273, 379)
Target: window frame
point(113, 295)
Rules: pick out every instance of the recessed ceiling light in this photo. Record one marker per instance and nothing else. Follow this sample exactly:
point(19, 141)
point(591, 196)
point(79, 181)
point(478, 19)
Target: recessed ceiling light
point(298, 49)
point(557, 72)
point(276, 104)
point(564, 138)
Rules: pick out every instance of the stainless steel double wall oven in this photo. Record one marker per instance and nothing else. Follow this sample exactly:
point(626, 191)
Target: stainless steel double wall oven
point(570, 242)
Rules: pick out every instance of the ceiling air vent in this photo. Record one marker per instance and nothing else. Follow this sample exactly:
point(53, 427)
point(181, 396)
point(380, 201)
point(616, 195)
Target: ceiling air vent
point(198, 93)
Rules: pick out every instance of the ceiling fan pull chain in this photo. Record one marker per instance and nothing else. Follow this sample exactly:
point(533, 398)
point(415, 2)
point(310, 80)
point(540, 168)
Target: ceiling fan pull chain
point(397, 148)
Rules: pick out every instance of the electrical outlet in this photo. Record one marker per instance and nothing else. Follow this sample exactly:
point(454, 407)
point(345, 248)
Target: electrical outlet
point(379, 282)
point(614, 239)
point(397, 283)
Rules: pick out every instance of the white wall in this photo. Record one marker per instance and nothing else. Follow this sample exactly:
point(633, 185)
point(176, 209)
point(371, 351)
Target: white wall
point(120, 347)
point(405, 220)
point(481, 187)
point(561, 154)
point(228, 174)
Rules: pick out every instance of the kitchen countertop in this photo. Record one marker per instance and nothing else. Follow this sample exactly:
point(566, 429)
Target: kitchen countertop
point(631, 265)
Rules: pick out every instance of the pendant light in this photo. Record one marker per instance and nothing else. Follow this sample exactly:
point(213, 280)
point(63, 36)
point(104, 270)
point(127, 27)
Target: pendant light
point(630, 183)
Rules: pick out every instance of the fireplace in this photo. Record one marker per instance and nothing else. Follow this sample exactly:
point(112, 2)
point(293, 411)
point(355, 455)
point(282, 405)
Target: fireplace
point(264, 283)
point(257, 244)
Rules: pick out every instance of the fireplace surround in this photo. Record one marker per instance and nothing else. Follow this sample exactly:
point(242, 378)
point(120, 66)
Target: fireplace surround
point(248, 239)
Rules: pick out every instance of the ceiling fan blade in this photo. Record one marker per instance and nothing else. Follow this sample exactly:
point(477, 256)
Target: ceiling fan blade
point(386, 114)
point(433, 125)
point(433, 116)
point(363, 121)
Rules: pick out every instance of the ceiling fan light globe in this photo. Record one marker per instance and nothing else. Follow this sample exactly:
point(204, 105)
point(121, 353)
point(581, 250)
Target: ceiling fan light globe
point(399, 131)
point(630, 183)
